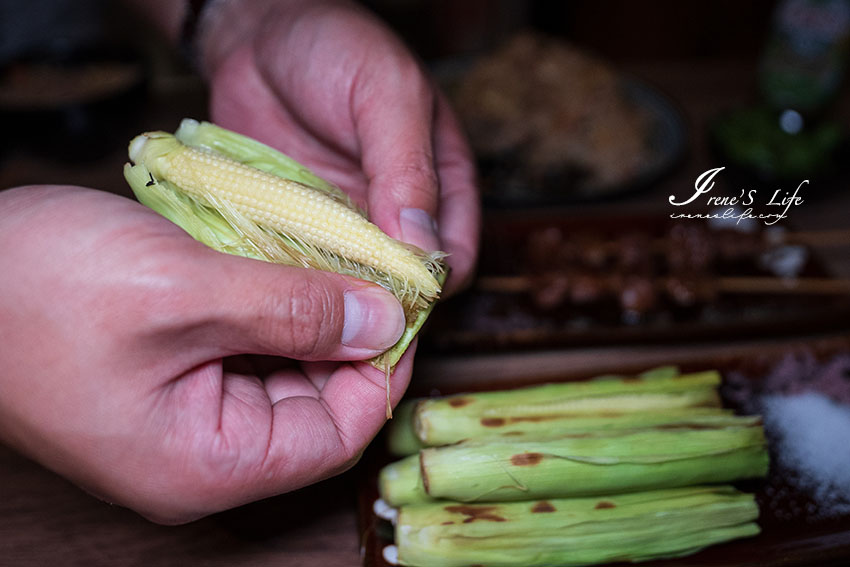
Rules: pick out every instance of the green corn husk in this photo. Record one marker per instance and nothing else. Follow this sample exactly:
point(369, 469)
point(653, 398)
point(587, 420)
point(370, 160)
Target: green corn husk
point(549, 395)
point(470, 428)
point(401, 438)
point(220, 227)
point(573, 405)
point(503, 469)
point(400, 483)
point(572, 532)
point(668, 371)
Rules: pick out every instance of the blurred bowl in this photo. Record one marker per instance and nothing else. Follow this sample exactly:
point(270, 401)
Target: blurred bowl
point(506, 182)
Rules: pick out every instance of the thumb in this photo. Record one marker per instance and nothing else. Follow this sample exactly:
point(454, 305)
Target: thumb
point(260, 308)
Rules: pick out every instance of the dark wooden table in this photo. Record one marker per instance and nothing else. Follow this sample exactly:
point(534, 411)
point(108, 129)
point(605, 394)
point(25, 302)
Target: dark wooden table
point(44, 520)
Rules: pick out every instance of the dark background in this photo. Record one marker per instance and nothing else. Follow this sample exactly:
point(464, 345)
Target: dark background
point(617, 29)
point(622, 32)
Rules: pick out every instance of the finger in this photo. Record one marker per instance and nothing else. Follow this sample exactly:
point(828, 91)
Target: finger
point(460, 209)
point(353, 407)
point(393, 115)
point(319, 372)
point(261, 308)
point(316, 438)
point(243, 448)
point(289, 384)
point(308, 380)
point(252, 98)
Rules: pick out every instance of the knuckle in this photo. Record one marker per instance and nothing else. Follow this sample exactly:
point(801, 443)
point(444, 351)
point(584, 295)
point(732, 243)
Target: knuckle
point(307, 319)
point(415, 181)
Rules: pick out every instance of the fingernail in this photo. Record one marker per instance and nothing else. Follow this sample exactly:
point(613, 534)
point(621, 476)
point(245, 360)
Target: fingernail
point(374, 319)
point(419, 228)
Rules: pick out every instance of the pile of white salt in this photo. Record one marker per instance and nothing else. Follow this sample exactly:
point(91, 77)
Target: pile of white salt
point(810, 434)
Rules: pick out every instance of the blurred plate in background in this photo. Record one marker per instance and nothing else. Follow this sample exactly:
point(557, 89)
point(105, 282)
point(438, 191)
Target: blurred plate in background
point(506, 182)
point(551, 123)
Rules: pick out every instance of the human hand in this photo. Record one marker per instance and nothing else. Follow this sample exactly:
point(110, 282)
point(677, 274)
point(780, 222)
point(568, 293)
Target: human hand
point(328, 84)
point(114, 328)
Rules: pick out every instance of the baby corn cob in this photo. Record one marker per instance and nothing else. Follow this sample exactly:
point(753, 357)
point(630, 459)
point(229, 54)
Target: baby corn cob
point(401, 437)
point(247, 151)
point(301, 213)
point(546, 395)
point(471, 427)
point(504, 469)
point(578, 473)
point(580, 531)
point(400, 483)
point(601, 403)
point(242, 197)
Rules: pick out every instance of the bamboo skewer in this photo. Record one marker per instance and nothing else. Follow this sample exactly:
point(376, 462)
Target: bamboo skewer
point(834, 238)
point(803, 286)
point(817, 238)
point(599, 252)
point(724, 284)
point(770, 285)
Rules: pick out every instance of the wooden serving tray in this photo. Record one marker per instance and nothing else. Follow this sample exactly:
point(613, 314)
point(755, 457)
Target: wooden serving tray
point(794, 532)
